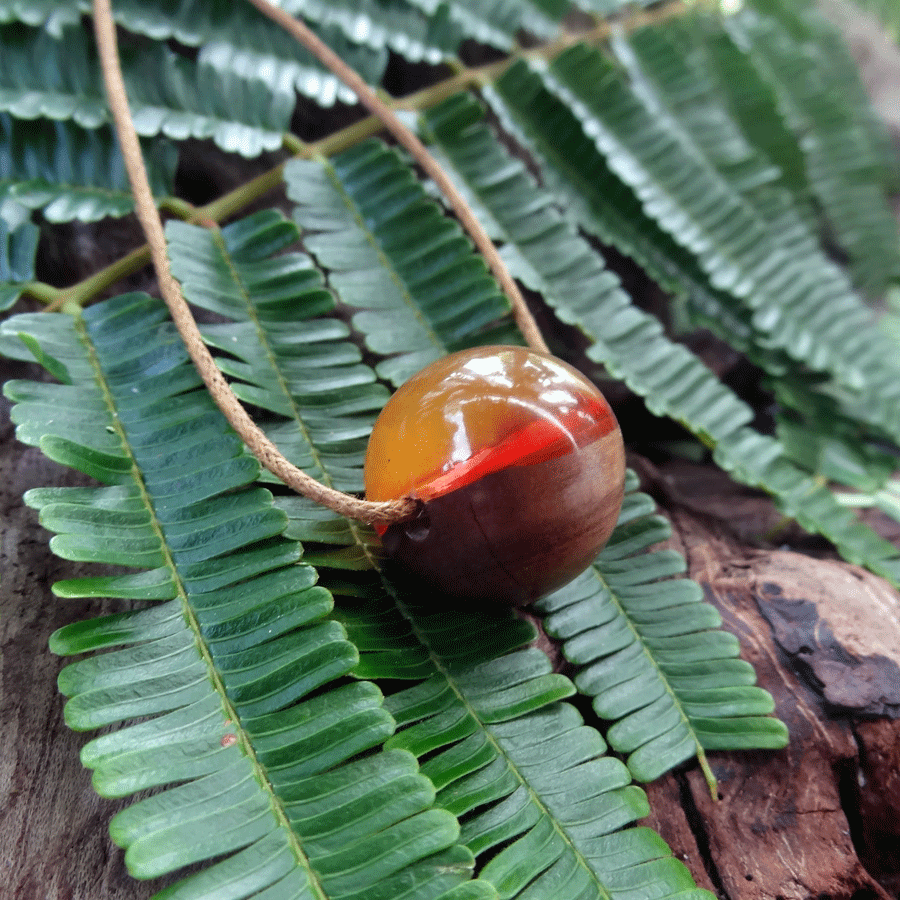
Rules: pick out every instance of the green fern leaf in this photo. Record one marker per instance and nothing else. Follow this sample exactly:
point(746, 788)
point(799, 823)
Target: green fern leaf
point(752, 103)
point(672, 70)
point(240, 38)
point(650, 654)
point(310, 376)
point(44, 78)
point(68, 173)
point(804, 318)
point(18, 246)
point(394, 24)
point(820, 97)
point(669, 67)
point(481, 710)
point(236, 666)
point(825, 440)
point(549, 256)
point(390, 252)
point(506, 755)
point(239, 34)
point(511, 760)
point(52, 15)
point(497, 23)
point(595, 199)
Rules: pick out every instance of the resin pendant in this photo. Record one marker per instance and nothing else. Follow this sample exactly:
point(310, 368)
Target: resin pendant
point(520, 465)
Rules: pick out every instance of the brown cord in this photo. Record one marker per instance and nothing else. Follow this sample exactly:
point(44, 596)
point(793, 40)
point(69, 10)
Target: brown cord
point(261, 447)
point(420, 154)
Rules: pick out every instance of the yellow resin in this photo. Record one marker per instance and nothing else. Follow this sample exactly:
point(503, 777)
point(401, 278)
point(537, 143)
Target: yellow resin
point(480, 406)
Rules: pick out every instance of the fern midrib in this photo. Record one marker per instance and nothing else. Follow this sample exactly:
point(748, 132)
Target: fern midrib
point(441, 668)
point(685, 718)
point(38, 182)
point(231, 713)
point(382, 257)
point(272, 357)
point(439, 665)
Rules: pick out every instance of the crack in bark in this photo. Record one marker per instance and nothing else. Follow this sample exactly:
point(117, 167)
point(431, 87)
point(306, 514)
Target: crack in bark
point(699, 831)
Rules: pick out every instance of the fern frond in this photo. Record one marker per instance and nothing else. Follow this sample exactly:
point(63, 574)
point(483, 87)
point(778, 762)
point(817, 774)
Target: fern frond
point(69, 173)
point(545, 812)
point(391, 253)
point(394, 24)
point(239, 37)
point(796, 312)
point(671, 69)
point(595, 199)
point(45, 77)
point(497, 23)
point(547, 254)
point(236, 666)
point(309, 374)
point(648, 649)
point(537, 799)
point(820, 97)
point(238, 33)
point(59, 79)
point(52, 15)
point(482, 710)
point(18, 246)
point(752, 104)
point(822, 438)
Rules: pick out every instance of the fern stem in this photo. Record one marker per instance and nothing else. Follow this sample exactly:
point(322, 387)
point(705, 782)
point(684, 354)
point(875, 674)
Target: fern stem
point(103, 279)
point(238, 199)
point(225, 206)
point(524, 320)
point(260, 445)
point(40, 290)
point(294, 145)
point(178, 207)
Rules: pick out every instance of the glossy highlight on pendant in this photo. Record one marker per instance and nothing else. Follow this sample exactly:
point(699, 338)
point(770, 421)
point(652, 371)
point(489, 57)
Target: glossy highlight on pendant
point(520, 465)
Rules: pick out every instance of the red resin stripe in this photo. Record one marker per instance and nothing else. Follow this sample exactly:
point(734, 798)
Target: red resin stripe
point(537, 442)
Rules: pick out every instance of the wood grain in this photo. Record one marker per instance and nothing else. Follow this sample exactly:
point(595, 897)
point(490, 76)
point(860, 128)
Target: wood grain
point(54, 843)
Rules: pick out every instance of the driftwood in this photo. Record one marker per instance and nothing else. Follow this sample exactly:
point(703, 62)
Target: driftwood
point(819, 819)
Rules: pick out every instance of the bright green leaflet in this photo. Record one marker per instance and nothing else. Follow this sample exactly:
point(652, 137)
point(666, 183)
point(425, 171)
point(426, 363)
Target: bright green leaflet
point(237, 672)
point(482, 709)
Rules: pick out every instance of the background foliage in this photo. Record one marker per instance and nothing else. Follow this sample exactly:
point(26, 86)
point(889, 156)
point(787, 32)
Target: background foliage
point(314, 724)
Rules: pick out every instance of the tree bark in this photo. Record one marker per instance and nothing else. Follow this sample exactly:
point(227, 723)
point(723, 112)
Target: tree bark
point(822, 817)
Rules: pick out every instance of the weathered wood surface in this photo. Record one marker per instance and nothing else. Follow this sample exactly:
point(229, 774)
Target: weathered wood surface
point(822, 817)
point(54, 843)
